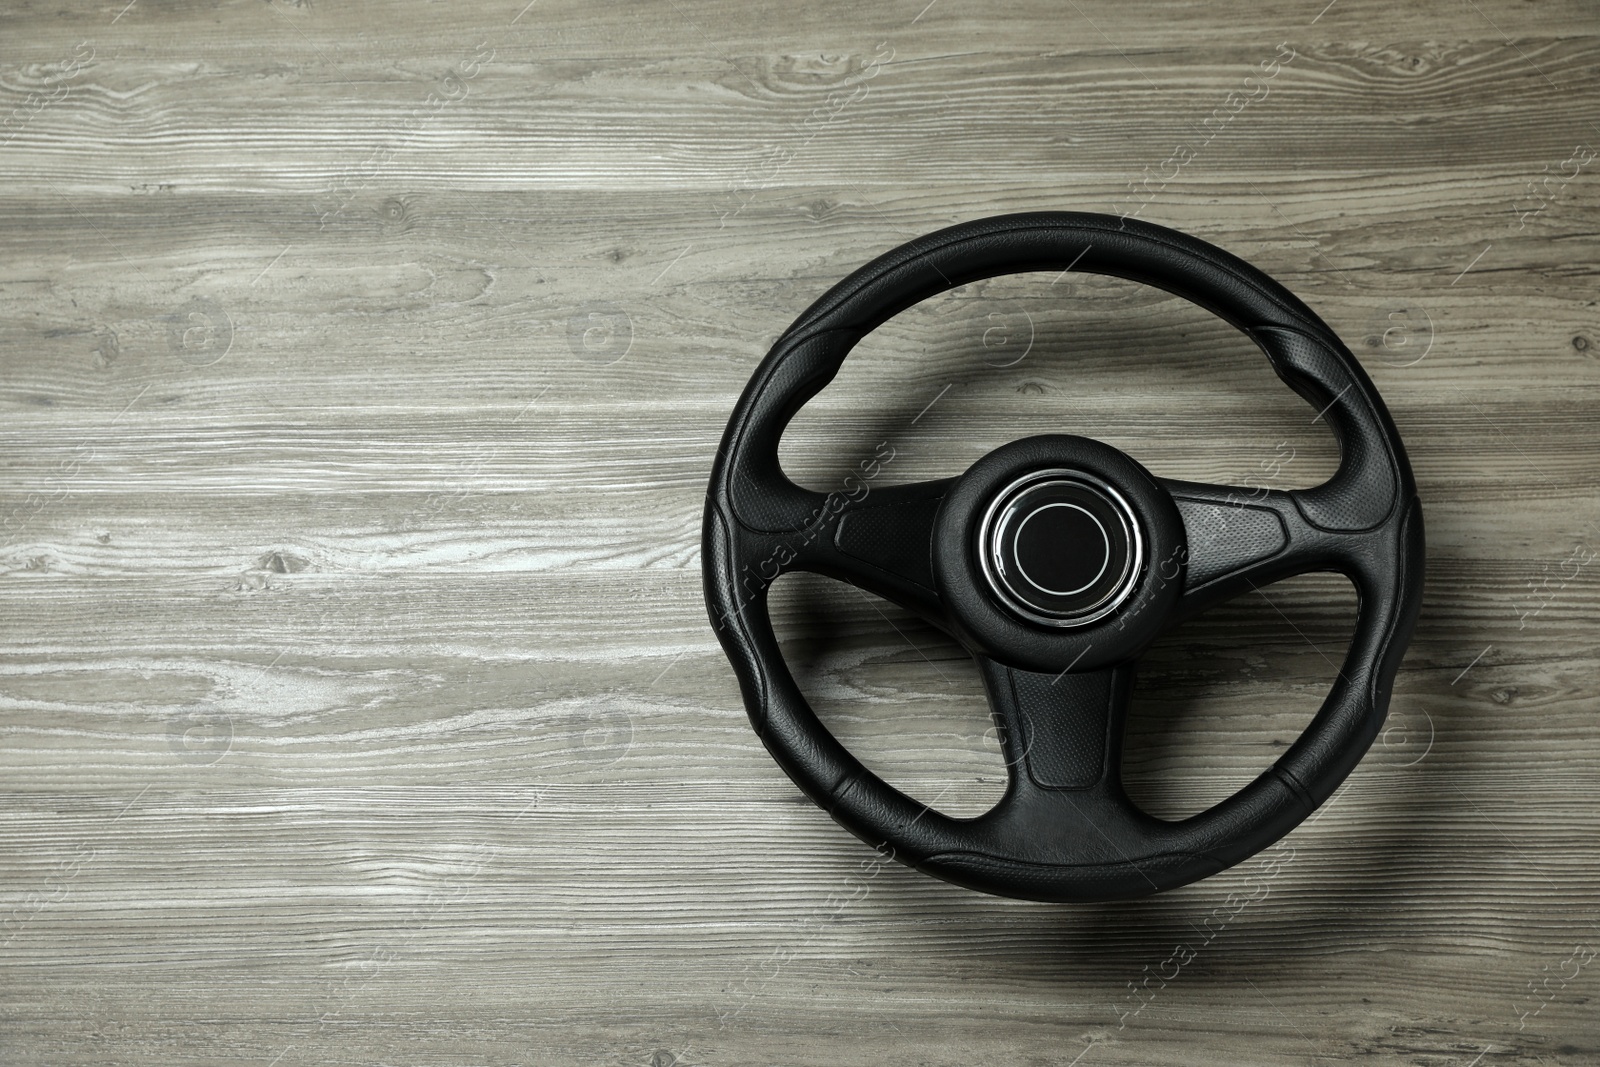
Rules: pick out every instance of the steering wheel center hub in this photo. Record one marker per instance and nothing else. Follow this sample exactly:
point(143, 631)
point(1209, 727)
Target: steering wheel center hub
point(1057, 551)
point(1060, 548)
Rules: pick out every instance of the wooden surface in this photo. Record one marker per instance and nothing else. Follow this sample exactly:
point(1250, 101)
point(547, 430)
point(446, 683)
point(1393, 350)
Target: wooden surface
point(362, 366)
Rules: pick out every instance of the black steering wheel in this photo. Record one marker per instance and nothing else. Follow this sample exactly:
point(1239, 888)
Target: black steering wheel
point(1055, 561)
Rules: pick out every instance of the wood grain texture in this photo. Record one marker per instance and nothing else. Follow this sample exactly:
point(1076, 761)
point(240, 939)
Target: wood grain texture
point(362, 367)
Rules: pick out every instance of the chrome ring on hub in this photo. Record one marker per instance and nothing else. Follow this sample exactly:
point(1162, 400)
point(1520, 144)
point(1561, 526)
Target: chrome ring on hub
point(1032, 596)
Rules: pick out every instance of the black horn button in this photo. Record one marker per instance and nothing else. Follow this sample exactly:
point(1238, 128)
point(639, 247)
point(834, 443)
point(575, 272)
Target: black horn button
point(1060, 548)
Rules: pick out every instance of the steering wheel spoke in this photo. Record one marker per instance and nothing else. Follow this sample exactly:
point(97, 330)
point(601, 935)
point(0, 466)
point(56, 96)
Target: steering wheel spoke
point(881, 542)
point(1240, 539)
point(1062, 738)
point(1060, 731)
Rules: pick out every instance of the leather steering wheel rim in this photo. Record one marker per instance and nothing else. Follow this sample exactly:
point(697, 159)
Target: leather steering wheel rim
point(1064, 829)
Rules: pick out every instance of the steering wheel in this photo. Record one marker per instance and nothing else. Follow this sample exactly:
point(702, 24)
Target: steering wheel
point(1055, 561)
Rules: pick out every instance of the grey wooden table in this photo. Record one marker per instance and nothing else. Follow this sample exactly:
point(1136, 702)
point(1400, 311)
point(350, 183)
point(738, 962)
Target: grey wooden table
point(362, 366)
